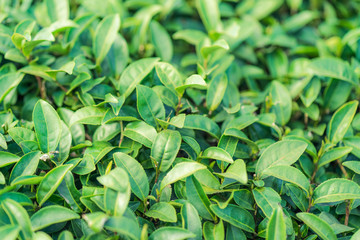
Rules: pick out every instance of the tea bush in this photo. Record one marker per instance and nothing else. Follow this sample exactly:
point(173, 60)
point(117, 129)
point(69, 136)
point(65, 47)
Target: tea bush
point(176, 119)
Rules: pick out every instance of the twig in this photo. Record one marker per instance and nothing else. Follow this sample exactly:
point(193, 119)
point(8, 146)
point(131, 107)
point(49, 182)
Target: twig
point(61, 86)
point(306, 120)
point(88, 137)
point(310, 205)
point(41, 86)
point(347, 214)
point(178, 107)
point(342, 169)
point(314, 173)
point(121, 133)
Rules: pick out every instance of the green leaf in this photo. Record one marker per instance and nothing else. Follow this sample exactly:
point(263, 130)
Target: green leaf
point(58, 9)
point(280, 153)
point(180, 171)
point(194, 81)
point(27, 165)
point(311, 92)
point(353, 166)
point(141, 132)
point(138, 179)
point(202, 123)
point(19, 217)
point(118, 57)
point(217, 154)
point(276, 228)
point(218, 47)
point(267, 199)
point(117, 192)
point(209, 13)
point(333, 155)
point(334, 223)
point(318, 225)
point(25, 27)
point(8, 82)
point(191, 36)
point(263, 8)
point(340, 121)
point(70, 193)
point(85, 166)
point(9, 232)
point(125, 226)
point(38, 70)
point(207, 179)
point(50, 183)
point(236, 171)
point(7, 158)
point(106, 132)
point(15, 56)
point(96, 220)
point(83, 22)
point(114, 180)
point(289, 174)
point(216, 92)
point(51, 215)
point(236, 216)
point(335, 190)
point(244, 199)
point(27, 180)
point(213, 231)
point(333, 68)
point(149, 105)
point(105, 35)
point(82, 77)
point(190, 218)
point(169, 76)
point(65, 143)
point(20, 134)
point(299, 20)
point(116, 202)
point(174, 233)
point(88, 115)
point(229, 144)
point(162, 41)
point(196, 195)
point(238, 124)
point(298, 196)
point(47, 126)
point(77, 130)
point(281, 102)
point(165, 149)
point(134, 74)
point(3, 143)
point(356, 235)
point(353, 142)
point(66, 68)
point(163, 211)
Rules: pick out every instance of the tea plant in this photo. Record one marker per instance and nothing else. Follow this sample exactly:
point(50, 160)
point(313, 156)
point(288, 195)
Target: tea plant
point(175, 119)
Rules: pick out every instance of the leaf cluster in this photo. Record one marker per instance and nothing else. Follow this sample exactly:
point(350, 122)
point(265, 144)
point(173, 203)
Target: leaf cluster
point(176, 119)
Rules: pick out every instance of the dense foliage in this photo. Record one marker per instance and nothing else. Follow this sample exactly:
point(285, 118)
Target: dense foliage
point(179, 119)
